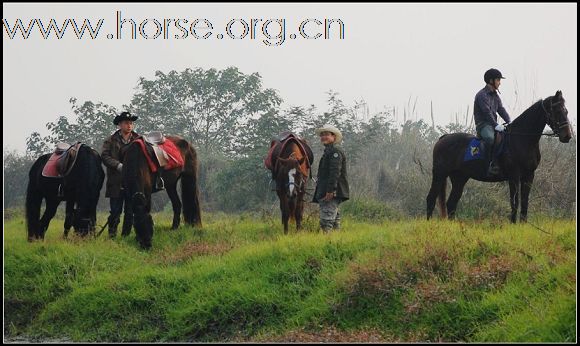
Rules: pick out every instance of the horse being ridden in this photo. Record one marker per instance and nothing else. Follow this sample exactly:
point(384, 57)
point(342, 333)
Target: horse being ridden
point(518, 162)
point(77, 181)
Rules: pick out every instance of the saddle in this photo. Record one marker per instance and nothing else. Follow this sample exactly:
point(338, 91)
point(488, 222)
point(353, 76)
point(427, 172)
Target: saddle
point(159, 151)
point(475, 149)
point(278, 144)
point(62, 160)
point(154, 137)
point(498, 138)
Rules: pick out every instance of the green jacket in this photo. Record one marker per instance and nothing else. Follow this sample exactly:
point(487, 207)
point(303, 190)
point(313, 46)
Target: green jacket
point(112, 154)
point(332, 176)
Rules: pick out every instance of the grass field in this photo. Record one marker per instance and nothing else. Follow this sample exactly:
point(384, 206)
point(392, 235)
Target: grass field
point(240, 279)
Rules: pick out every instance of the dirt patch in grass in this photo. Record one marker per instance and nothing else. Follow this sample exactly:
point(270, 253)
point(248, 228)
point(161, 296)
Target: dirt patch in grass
point(190, 250)
point(331, 334)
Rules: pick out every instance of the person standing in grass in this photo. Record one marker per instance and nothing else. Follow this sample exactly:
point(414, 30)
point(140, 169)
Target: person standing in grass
point(112, 154)
point(332, 184)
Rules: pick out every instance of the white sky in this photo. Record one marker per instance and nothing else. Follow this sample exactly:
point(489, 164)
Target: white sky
point(391, 52)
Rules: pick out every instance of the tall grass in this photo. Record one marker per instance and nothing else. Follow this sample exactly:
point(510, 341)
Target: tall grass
point(239, 278)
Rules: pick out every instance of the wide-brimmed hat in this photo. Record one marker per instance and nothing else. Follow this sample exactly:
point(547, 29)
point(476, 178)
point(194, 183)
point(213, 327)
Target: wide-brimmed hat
point(331, 129)
point(124, 116)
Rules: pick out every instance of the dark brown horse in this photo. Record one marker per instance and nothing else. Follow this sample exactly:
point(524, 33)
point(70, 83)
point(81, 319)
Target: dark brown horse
point(518, 162)
point(291, 170)
point(138, 180)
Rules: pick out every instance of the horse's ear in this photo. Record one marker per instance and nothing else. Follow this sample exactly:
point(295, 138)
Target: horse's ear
point(558, 94)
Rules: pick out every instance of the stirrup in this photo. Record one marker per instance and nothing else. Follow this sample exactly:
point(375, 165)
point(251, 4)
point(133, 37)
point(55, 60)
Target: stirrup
point(60, 192)
point(493, 169)
point(159, 184)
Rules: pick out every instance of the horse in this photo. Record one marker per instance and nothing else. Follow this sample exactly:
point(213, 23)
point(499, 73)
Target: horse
point(517, 163)
point(290, 161)
point(79, 187)
point(138, 180)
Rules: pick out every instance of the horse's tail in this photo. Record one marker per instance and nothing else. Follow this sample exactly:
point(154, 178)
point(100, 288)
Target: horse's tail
point(189, 186)
point(89, 177)
point(34, 199)
point(441, 199)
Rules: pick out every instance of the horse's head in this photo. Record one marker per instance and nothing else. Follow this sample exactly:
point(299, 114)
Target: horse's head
point(290, 176)
point(83, 224)
point(557, 116)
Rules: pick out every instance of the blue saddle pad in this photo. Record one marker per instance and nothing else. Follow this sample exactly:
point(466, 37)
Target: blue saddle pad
point(475, 150)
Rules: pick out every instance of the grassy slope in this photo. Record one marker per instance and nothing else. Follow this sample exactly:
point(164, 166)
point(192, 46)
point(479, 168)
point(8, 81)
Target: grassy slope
point(240, 279)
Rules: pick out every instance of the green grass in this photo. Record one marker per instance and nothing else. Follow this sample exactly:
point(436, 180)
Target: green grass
point(240, 279)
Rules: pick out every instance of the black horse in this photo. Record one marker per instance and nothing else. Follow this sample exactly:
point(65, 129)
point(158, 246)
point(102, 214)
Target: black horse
point(80, 188)
point(138, 180)
point(518, 162)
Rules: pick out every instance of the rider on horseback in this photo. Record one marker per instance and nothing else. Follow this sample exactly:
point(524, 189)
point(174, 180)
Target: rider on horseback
point(487, 106)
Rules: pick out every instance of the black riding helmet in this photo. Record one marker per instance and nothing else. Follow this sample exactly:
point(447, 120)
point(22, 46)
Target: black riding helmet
point(492, 73)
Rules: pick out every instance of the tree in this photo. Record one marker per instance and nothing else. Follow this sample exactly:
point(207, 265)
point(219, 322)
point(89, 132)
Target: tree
point(93, 123)
point(204, 106)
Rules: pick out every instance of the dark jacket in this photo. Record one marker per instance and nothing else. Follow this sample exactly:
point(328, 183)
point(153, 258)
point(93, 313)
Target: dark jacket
point(332, 175)
point(486, 106)
point(112, 154)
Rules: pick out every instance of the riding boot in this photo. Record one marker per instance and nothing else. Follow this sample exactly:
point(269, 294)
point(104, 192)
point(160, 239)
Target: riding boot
point(493, 168)
point(114, 221)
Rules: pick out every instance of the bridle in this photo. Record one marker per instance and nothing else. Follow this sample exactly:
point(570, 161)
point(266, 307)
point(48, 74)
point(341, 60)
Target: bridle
point(554, 124)
point(549, 120)
point(299, 187)
point(299, 184)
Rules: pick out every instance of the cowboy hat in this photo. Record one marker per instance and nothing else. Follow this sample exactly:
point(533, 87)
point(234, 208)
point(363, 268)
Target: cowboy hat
point(331, 129)
point(124, 116)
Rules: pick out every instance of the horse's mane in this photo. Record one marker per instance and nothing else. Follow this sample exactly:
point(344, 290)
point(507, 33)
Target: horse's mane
point(523, 121)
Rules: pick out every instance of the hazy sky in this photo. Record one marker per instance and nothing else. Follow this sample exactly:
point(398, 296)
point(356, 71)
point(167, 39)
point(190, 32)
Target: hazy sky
point(390, 53)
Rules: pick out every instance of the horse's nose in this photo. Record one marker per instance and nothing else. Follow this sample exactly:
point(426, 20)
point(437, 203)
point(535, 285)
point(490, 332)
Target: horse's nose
point(566, 137)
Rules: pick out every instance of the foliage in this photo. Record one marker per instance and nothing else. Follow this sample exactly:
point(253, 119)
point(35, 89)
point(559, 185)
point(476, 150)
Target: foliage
point(231, 119)
point(240, 279)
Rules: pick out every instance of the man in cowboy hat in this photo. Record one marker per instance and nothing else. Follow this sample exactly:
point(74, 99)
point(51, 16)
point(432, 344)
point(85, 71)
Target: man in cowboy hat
point(487, 106)
point(332, 185)
point(112, 154)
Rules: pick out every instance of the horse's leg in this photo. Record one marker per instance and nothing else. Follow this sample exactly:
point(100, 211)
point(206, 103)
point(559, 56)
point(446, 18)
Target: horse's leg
point(436, 186)
point(176, 203)
point(33, 205)
point(49, 212)
point(299, 211)
point(69, 216)
point(458, 183)
point(514, 197)
point(146, 225)
point(284, 211)
point(526, 186)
